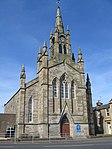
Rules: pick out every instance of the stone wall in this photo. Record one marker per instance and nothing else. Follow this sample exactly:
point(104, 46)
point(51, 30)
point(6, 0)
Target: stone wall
point(6, 121)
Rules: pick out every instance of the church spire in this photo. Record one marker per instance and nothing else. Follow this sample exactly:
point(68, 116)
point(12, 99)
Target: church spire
point(59, 23)
point(88, 78)
point(60, 41)
point(88, 84)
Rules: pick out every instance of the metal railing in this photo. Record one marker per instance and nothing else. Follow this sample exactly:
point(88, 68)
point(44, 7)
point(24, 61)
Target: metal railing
point(32, 137)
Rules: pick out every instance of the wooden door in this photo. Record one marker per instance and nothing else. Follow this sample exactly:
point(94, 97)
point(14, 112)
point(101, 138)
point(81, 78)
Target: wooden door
point(65, 127)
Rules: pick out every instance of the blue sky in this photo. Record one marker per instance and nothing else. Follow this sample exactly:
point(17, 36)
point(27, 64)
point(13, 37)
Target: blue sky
point(25, 24)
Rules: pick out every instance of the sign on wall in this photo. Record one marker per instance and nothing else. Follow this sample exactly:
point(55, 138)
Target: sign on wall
point(78, 128)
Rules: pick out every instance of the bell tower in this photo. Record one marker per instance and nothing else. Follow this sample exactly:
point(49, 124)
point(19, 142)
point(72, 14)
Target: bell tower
point(60, 46)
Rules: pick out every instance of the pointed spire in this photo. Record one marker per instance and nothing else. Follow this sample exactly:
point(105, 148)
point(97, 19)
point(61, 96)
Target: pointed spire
point(80, 59)
point(39, 54)
point(23, 75)
point(68, 31)
point(67, 27)
point(59, 23)
point(44, 46)
point(88, 84)
point(79, 51)
point(23, 68)
point(58, 12)
point(87, 77)
point(88, 80)
point(51, 34)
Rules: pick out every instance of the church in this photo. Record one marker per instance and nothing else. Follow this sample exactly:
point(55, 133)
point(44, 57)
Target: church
point(57, 102)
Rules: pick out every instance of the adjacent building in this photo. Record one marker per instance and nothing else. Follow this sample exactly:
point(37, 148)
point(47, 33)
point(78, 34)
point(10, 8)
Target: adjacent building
point(103, 118)
point(7, 125)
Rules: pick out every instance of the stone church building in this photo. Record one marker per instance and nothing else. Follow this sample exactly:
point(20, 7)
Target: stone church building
point(58, 101)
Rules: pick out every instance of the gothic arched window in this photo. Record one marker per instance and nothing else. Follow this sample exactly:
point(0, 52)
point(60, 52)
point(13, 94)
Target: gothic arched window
point(65, 49)
point(53, 40)
point(30, 110)
point(54, 88)
point(66, 90)
point(62, 89)
point(60, 48)
point(72, 90)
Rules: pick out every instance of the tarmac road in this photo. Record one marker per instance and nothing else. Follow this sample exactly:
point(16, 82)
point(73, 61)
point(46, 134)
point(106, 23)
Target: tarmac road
point(96, 143)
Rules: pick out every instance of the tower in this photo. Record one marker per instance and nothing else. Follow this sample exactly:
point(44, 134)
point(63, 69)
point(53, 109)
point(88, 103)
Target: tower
point(60, 47)
point(62, 93)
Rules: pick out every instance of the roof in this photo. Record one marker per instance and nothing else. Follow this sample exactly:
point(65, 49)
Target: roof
point(106, 106)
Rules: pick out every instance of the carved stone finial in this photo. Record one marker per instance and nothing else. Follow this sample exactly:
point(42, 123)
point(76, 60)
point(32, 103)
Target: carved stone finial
point(45, 45)
point(67, 27)
point(67, 31)
point(80, 59)
point(23, 75)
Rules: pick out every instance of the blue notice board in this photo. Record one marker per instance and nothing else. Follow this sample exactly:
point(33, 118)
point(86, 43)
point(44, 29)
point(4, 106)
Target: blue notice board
point(78, 128)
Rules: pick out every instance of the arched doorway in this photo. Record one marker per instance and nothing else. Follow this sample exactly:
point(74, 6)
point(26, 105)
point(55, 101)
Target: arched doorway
point(65, 127)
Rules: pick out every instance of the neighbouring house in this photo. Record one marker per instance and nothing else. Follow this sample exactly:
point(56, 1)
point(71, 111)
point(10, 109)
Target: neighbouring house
point(7, 125)
point(103, 118)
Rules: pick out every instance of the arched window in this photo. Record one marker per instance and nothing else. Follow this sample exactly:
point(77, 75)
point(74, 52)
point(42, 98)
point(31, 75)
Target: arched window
point(54, 88)
point(30, 110)
point(60, 48)
point(72, 90)
point(62, 89)
point(66, 90)
point(53, 40)
point(64, 49)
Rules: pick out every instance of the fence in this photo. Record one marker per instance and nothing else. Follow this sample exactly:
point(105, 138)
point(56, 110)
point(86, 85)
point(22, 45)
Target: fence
point(32, 138)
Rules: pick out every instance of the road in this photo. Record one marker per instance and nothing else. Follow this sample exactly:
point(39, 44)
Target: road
point(97, 143)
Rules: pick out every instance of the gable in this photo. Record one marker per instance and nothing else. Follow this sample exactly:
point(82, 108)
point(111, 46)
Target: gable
point(57, 71)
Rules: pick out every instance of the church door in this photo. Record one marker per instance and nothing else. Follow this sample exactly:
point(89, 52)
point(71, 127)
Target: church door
point(65, 127)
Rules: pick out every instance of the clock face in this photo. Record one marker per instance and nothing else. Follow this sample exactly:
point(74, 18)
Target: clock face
point(62, 39)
